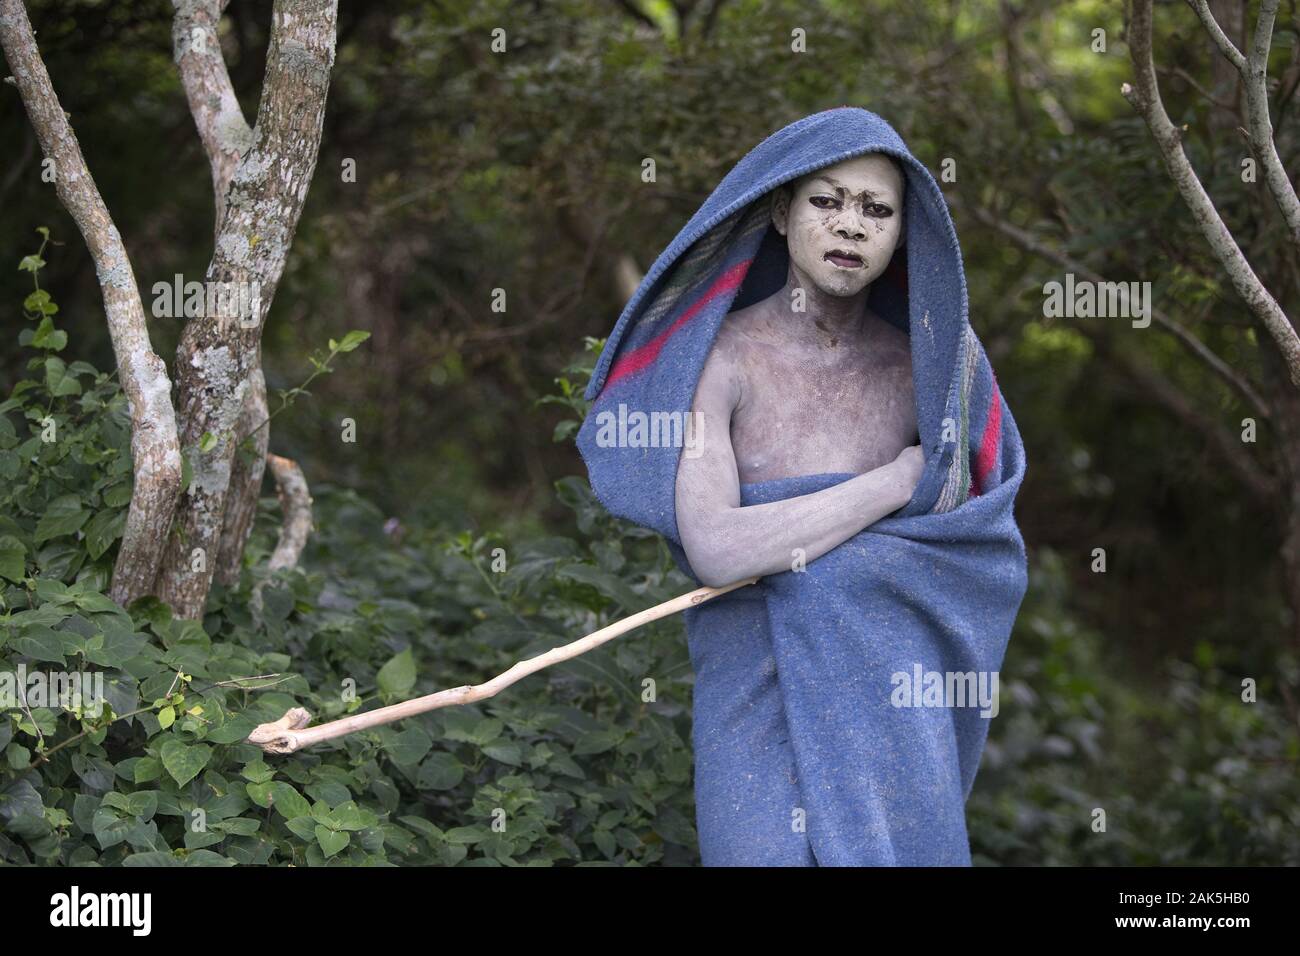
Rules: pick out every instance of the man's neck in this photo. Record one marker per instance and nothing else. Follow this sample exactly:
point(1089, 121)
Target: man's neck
point(826, 319)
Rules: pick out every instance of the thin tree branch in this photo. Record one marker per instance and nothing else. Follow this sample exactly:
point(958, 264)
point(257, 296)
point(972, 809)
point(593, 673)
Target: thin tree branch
point(290, 733)
point(1261, 127)
point(1191, 81)
point(1184, 337)
point(295, 503)
point(225, 133)
point(1145, 99)
point(1225, 442)
point(1254, 74)
point(1225, 45)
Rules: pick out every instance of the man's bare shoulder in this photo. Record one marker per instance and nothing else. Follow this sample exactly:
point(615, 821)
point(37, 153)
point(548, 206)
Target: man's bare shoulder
point(740, 333)
point(890, 343)
point(721, 373)
point(754, 324)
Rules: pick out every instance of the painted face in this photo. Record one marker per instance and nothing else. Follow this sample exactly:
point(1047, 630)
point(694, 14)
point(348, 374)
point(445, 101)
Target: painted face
point(842, 223)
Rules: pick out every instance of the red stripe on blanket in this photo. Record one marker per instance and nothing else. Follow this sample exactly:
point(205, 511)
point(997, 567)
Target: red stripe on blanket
point(644, 356)
point(987, 457)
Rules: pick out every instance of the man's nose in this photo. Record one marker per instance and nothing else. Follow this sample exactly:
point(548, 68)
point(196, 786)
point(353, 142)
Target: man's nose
point(852, 231)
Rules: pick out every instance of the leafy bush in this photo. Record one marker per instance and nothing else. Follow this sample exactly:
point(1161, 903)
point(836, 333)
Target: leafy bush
point(585, 762)
point(1186, 771)
point(577, 764)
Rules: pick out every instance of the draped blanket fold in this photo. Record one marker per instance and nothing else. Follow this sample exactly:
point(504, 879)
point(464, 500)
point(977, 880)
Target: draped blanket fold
point(841, 708)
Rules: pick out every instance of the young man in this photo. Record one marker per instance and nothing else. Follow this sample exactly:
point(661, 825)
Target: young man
point(807, 381)
point(841, 704)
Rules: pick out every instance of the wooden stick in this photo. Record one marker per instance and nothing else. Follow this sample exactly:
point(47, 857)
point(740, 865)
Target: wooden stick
point(290, 733)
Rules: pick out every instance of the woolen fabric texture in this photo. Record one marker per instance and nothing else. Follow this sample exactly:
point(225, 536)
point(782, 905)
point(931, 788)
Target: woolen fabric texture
point(803, 754)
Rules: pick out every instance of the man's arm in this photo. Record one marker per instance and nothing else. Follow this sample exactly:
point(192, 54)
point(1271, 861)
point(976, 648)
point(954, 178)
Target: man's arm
point(725, 542)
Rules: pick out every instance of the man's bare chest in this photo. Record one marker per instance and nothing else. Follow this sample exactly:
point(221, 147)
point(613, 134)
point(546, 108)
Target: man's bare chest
point(801, 414)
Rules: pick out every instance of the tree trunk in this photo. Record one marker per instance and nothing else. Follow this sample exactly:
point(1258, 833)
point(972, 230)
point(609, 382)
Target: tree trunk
point(245, 481)
point(155, 454)
point(218, 356)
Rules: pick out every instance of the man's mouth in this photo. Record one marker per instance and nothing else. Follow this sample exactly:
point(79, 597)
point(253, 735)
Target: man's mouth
point(844, 259)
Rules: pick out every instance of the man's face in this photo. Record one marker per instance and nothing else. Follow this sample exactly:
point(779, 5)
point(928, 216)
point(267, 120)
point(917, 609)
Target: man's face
point(842, 223)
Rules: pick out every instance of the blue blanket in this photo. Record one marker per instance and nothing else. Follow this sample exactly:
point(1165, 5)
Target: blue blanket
point(839, 710)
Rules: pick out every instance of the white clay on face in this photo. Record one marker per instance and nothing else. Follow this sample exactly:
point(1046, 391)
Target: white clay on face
point(842, 223)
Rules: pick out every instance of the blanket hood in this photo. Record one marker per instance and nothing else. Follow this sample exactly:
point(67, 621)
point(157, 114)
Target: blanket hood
point(729, 256)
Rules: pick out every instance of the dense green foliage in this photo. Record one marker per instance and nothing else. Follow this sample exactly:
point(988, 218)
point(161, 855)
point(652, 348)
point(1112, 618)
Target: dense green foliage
point(574, 767)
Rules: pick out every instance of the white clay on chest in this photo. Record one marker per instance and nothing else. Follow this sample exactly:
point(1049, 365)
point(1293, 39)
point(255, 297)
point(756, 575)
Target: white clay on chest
point(841, 402)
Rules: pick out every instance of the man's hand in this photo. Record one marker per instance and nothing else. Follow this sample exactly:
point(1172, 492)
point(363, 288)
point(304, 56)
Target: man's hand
point(907, 469)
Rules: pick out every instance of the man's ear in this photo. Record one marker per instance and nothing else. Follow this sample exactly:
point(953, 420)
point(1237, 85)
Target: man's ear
point(781, 208)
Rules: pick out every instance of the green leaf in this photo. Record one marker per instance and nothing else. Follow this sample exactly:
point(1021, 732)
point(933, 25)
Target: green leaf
point(118, 495)
point(288, 802)
point(102, 530)
point(166, 717)
point(110, 828)
point(48, 337)
point(464, 726)
point(57, 379)
point(41, 642)
point(39, 301)
point(353, 817)
point(240, 826)
point(507, 751)
point(142, 804)
point(207, 442)
point(257, 771)
point(115, 647)
point(56, 592)
point(152, 858)
point(350, 341)
point(184, 761)
point(610, 585)
point(18, 756)
point(331, 792)
point(232, 731)
point(598, 741)
point(63, 515)
point(397, 677)
point(31, 263)
point(13, 558)
point(208, 858)
point(462, 835)
point(409, 746)
point(331, 841)
point(147, 769)
point(441, 771)
point(304, 828)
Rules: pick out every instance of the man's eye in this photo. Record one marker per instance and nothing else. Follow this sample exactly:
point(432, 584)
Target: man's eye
point(879, 209)
point(823, 202)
